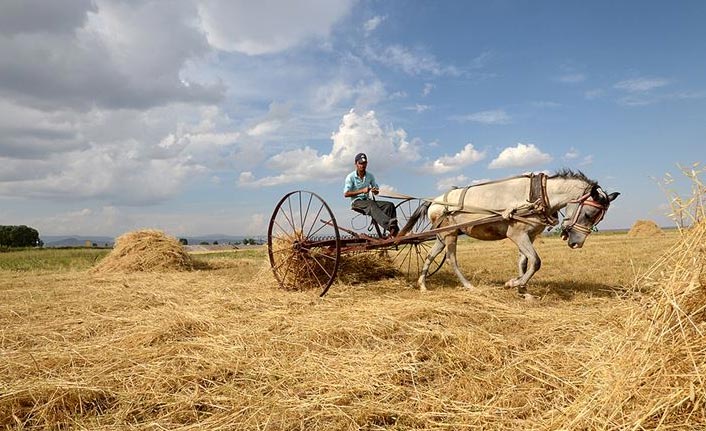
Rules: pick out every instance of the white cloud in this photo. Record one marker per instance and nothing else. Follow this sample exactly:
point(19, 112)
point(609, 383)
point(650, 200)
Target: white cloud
point(637, 100)
point(467, 156)
point(118, 173)
point(410, 62)
point(87, 221)
point(594, 94)
point(572, 154)
point(427, 89)
point(572, 78)
point(418, 108)
point(520, 156)
point(333, 95)
point(278, 114)
point(450, 182)
point(641, 85)
point(545, 104)
point(117, 55)
point(268, 26)
point(385, 147)
point(386, 188)
point(373, 23)
point(497, 116)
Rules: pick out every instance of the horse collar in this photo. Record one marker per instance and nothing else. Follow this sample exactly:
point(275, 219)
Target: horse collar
point(540, 200)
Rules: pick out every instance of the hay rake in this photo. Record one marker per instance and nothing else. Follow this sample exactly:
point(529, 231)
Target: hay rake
point(305, 243)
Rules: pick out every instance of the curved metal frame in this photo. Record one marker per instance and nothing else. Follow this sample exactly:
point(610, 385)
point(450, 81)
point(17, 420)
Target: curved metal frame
point(412, 254)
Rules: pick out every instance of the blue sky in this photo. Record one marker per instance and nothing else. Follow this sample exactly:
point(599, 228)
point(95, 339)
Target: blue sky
point(195, 117)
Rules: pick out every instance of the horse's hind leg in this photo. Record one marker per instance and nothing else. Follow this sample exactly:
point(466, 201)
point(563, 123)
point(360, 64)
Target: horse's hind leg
point(451, 255)
point(435, 250)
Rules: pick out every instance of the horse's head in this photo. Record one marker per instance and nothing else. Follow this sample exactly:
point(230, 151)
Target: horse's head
point(583, 214)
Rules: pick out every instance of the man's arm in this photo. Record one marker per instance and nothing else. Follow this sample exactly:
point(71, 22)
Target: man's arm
point(364, 190)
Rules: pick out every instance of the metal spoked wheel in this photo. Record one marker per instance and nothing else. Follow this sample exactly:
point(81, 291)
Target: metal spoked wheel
point(410, 256)
point(303, 242)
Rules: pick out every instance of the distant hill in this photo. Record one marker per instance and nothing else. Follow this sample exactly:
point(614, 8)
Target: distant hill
point(80, 240)
point(75, 241)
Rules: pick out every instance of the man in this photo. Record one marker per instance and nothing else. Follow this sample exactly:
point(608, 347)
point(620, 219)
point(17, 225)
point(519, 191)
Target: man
point(359, 184)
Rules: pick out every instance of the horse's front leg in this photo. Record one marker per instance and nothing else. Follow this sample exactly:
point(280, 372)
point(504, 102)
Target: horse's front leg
point(450, 241)
point(528, 263)
point(435, 250)
point(521, 264)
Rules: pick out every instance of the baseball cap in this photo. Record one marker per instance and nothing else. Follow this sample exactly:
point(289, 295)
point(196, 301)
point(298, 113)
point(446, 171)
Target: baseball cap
point(361, 158)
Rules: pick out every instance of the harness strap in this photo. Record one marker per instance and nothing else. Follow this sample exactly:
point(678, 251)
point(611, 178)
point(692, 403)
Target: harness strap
point(540, 200)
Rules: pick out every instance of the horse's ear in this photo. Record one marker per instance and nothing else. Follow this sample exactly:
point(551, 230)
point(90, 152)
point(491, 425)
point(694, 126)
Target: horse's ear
point(595, 194)
point(612, 196)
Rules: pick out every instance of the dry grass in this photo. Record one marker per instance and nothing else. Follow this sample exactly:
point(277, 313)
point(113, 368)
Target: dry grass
point(227, 349)
point(650, 374)
point(616, 342)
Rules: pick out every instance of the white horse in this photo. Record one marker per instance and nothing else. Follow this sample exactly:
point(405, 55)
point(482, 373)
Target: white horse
point(518, 208)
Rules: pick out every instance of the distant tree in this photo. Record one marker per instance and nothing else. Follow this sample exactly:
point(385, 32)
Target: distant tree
point(183, 241)
point(19, 236)
point(203, 243)
point(215, 242)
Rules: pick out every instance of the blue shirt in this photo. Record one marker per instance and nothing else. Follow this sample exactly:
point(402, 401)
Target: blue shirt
point(353, 182)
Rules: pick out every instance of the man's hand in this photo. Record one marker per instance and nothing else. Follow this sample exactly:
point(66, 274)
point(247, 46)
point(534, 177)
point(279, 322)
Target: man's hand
point(375, 190)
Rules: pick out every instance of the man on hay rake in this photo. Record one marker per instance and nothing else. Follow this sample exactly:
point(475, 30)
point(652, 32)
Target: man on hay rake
point(359, 184)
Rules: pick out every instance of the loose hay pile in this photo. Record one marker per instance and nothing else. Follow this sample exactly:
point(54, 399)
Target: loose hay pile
point(145, 250)
point(645, 228)
point(366, 267)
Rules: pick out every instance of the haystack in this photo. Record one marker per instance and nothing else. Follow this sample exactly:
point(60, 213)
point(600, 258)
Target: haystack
point(645, 228)
point(146, 250)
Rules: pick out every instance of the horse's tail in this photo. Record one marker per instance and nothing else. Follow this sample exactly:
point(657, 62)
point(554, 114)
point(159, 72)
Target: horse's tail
point(420, 212)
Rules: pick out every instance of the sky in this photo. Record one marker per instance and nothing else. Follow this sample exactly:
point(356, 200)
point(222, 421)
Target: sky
point(196, 117)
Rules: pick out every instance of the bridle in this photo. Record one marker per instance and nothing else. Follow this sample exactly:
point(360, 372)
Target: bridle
point(573, 223)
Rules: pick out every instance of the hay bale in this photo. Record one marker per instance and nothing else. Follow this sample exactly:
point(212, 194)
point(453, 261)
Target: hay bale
point(146, 250)
point(645, 228)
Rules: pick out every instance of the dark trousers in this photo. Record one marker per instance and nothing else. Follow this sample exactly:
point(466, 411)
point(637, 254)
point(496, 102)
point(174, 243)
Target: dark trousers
point(383, 212)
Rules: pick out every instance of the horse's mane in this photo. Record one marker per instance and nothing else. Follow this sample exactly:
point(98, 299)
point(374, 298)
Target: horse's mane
point(568, 173)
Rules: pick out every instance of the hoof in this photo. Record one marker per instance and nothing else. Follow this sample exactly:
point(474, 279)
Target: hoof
point(529, 298)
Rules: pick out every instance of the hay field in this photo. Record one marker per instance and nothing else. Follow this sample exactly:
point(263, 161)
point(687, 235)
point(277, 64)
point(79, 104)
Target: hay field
point(222, 347)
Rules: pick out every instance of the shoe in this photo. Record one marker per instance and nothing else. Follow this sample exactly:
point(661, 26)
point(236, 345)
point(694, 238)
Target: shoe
point(394, 230)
